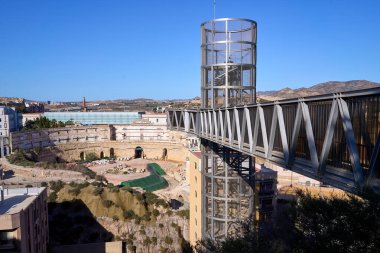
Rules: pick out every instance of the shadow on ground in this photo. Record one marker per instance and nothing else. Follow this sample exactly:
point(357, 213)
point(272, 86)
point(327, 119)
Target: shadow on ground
point(71, 222)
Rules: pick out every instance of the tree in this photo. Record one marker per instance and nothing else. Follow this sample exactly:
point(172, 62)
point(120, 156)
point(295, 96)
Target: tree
point(338, 224)
point(310, 224)
point(91, 156)
point(156, 213)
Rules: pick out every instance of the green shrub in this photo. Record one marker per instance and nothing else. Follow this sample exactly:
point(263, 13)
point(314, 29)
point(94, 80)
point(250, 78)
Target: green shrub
point(91, 157)
point(168, 240)
point(107, 203)
point(75, 191)
point(146, 217)
point(98, 191)
point(129, 214)
point(52, 197)
point(147, 241)
point(56, 185)
point(18, 158)
point(156, 213)
point(184, 213)
point(128, 189)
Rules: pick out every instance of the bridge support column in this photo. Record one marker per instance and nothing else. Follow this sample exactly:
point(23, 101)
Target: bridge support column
point(228, 194)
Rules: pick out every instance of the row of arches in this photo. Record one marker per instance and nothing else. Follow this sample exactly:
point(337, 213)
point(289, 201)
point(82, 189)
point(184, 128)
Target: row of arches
point(82, 154)
point(139, 153)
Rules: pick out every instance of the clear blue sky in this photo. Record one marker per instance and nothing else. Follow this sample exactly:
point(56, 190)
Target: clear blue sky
point(61, 50)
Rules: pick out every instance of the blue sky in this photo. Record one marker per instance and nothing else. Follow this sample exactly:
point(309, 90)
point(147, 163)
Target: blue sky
point(61, 50)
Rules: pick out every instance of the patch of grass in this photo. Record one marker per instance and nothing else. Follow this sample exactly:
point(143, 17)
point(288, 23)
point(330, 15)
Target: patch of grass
point(184, 213)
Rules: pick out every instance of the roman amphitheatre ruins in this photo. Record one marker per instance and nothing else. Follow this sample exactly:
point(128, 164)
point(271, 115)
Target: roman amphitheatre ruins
point(130, 157)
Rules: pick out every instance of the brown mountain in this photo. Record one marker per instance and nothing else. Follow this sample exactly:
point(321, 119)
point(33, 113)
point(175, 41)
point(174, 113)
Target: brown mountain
point(318, 89)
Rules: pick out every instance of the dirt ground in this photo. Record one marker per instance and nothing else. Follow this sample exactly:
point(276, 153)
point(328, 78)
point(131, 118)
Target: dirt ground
point(288, 192)
point(101, 169)
point(18, 175)
point(175, 190)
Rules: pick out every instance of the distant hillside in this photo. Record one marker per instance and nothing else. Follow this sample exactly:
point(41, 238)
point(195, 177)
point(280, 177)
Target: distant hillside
point(318, 89)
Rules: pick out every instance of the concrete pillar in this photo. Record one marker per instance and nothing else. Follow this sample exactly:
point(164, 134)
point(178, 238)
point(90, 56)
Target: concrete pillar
point(2, 147)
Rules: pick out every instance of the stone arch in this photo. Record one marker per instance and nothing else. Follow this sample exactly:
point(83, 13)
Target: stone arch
point(112, 153)
point(82, 156)
point(139, 152)
point(101, 154)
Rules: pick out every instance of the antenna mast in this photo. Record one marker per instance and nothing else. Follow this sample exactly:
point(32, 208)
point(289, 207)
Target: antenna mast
point(214, 9)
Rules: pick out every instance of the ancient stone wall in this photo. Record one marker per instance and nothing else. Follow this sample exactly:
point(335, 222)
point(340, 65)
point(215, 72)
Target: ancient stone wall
point(56, 136)
point(72, 151)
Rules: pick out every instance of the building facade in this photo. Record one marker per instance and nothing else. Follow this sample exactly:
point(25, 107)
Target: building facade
point(195, 195)
point(95, 118)
point(30, 117)
point(24, 220)
point(10, 120)
point(151, 127)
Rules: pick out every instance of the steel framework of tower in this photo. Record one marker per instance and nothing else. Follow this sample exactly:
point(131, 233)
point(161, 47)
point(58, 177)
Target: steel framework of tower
point(333, 138)
point(228, 68)
point(228, 78)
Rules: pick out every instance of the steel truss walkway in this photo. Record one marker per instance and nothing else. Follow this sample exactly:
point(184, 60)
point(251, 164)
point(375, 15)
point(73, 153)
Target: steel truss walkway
point(333, 138)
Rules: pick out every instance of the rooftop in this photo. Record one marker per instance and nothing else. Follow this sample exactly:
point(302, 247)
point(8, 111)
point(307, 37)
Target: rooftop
point(15, 200)
point(197, 154)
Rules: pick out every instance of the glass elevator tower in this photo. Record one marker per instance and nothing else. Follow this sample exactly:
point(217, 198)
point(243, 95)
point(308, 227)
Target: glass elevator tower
point(228, 78)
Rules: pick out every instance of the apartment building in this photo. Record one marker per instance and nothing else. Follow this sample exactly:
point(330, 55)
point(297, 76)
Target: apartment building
point(23, 220)
point(195, 196)
point(10, 120)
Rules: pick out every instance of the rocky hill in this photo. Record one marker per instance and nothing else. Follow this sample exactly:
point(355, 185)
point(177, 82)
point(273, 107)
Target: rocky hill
point(318, 89)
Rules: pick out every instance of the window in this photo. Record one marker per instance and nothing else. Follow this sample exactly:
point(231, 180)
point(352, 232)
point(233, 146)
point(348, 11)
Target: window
point(195, 179)
point(157, 120)
point(196, 222)
point(196, 194)
point(196, 208)
point(195, 166)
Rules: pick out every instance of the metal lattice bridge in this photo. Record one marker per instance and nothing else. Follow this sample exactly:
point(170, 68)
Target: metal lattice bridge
point(331, 138)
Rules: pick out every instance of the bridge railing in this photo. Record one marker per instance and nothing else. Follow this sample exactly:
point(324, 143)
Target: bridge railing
point(333, 138)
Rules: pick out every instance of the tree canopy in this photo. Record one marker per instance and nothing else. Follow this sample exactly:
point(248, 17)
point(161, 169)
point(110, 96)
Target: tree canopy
point(42, 122)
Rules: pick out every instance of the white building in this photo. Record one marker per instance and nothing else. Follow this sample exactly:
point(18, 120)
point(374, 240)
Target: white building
point(149, 127)
point(30, 117)
point(156, 119)
point(10, 120)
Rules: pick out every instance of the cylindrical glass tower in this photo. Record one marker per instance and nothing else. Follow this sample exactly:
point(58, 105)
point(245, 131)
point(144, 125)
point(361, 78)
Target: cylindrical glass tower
point(228, 68)
point(228, 79)
point(227, 193)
